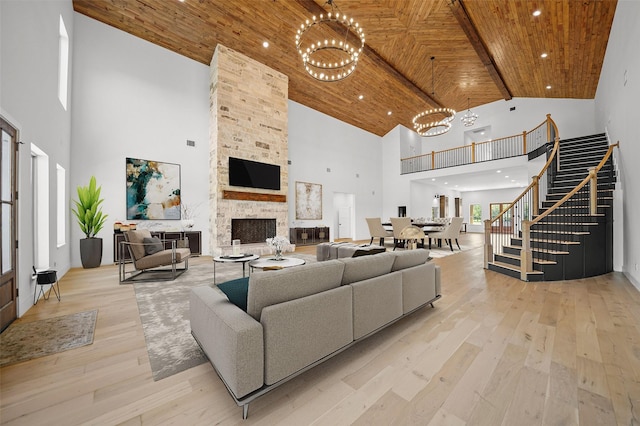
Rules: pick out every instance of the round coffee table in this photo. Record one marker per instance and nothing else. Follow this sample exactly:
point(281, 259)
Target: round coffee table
point(233, 259)
point(268, 263)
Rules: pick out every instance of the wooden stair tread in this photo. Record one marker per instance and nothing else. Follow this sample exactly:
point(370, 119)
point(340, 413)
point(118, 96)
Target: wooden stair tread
point(535, 260)
point(538, 250)
point(513, 268)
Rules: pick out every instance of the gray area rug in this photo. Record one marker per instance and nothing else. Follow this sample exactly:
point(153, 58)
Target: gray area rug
point(164, 312)
point(25, 341)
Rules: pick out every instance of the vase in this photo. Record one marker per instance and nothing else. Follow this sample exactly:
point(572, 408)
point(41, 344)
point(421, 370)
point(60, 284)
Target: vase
point(278, 254)
point(91, 252)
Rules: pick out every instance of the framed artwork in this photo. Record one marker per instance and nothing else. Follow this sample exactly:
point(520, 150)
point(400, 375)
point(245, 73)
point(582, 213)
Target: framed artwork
point(308, 201)
point(153, 190)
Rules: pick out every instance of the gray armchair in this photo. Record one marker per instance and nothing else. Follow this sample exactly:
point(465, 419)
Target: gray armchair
point(149, 255)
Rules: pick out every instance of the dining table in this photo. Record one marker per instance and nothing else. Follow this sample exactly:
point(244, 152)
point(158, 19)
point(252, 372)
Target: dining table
point(425, 226)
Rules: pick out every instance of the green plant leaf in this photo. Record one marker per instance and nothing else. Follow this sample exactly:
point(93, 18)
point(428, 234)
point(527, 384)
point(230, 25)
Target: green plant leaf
point(88, 211)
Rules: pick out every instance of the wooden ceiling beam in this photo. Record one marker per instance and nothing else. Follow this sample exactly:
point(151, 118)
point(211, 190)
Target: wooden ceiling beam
point(460, 12)
point(313, 8)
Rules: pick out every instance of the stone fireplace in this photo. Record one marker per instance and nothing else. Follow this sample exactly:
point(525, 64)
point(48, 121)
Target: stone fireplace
point(248, 120)
point(250, 231)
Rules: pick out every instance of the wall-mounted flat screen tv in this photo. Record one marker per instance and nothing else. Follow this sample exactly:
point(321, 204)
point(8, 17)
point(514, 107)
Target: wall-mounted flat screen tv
point(252, 174)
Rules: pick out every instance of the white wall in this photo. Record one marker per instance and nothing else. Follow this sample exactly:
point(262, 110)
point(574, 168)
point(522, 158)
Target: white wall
point(617, 111)
point(318, 143)
point(29, 101)
point(135, 99)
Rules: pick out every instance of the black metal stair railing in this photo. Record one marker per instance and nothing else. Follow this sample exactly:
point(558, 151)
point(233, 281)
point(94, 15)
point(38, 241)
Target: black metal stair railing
point(502, 229)
point(495, 149)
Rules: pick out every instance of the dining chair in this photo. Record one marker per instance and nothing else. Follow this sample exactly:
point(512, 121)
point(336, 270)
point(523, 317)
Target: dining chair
point(377, 230)
point(398, 224)
point(450, 232)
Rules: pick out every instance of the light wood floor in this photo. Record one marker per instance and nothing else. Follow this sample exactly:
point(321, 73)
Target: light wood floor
point(494, 351)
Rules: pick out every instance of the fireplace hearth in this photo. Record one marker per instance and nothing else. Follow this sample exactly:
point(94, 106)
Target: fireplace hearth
point(252, 230)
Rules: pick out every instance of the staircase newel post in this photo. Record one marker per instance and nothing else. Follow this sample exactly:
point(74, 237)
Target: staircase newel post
point(535, 192)
point(433, 160)
point(526, 260)
point(548, 127)
point(524, 142)
point(473, 152)
point(593, 191)
point(488, 247)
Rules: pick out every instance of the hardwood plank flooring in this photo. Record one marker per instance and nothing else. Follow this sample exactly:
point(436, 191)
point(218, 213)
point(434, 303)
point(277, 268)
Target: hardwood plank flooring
point(493, 351)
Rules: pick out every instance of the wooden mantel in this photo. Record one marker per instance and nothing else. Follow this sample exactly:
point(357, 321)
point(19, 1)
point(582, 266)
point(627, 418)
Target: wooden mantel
point(253, 196)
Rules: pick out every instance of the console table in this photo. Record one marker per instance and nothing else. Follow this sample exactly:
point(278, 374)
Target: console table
point(309, 236)
point(194, 237)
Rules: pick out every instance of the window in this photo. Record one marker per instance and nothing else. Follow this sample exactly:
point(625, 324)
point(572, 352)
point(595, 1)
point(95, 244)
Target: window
point(60, 206)
point(475, 214)
point(63, 64)
point(40, 185)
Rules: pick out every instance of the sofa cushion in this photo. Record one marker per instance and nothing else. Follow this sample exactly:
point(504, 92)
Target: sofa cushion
point(270, 287)
point(136, 237)
point(164, 257)
point(376, 302)
point(409, 258)
point(236, 291)
point(152, 245)
point(365, 267)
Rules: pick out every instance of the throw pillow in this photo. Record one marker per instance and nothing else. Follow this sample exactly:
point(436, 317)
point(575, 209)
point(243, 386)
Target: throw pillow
point(152, 245)
point(236, 291)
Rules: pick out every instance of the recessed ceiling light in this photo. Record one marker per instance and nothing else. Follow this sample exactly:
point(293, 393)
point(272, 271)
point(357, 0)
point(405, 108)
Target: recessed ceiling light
point(361, 97)
point(544, 55)
point(433, 179)
point(482, 133)
point(498, 171)
point(537, 13)
point(389, 113)
point(265, 44)
point(506, 177)
point(548, 87)
point(446, 183)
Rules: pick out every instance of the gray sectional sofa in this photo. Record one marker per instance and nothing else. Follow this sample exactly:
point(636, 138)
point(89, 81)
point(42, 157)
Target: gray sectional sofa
point(298, 317)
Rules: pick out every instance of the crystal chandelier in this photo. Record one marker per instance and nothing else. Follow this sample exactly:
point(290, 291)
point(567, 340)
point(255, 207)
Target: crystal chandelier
point(436, 121)
point(469, 118)
point(326, 54)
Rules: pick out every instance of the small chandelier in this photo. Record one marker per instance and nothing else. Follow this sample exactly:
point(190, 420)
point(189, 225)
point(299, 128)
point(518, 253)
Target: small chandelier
point(436, 121)
point(469, 118)
point(325, 56)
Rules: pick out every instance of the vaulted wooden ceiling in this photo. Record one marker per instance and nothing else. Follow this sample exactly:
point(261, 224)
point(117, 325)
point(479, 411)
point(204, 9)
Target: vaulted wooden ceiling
point(484, 50)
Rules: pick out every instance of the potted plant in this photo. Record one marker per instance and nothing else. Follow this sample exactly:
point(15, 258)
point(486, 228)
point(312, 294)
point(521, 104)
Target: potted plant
point(91, 220)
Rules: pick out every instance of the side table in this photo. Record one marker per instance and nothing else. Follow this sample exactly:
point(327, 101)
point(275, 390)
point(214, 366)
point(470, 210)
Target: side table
point(244, 258)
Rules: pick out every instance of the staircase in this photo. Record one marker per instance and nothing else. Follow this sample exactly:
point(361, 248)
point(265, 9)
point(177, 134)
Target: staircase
point(569, 243)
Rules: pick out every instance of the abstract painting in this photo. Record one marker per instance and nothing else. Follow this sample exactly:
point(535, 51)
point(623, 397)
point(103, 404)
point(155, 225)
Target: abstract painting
point(153, 190)
point(308, 201)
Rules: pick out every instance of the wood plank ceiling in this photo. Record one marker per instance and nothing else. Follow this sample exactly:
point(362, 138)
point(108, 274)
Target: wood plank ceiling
point(484, 50)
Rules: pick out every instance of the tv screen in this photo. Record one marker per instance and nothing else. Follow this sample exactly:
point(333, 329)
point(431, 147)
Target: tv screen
point(252, 174)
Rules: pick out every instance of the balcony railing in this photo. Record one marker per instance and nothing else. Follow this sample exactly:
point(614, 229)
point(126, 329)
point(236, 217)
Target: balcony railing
point(497, 149)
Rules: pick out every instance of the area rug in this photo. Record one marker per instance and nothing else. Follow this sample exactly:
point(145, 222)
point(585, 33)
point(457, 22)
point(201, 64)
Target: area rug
point(164, 312)
point(29, 340)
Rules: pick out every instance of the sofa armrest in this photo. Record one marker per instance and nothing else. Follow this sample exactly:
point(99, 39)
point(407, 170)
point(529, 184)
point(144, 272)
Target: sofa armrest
point(438, 293)
point(231, 339)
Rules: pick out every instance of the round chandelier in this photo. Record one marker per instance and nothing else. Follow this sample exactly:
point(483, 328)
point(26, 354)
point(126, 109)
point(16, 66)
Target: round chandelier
point(436, 121)
point(326, 54)
point(469, 118)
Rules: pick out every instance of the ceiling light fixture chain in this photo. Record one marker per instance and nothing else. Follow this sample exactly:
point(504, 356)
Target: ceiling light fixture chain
point(469, 118)
point(436, 121)
point(325, 58)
